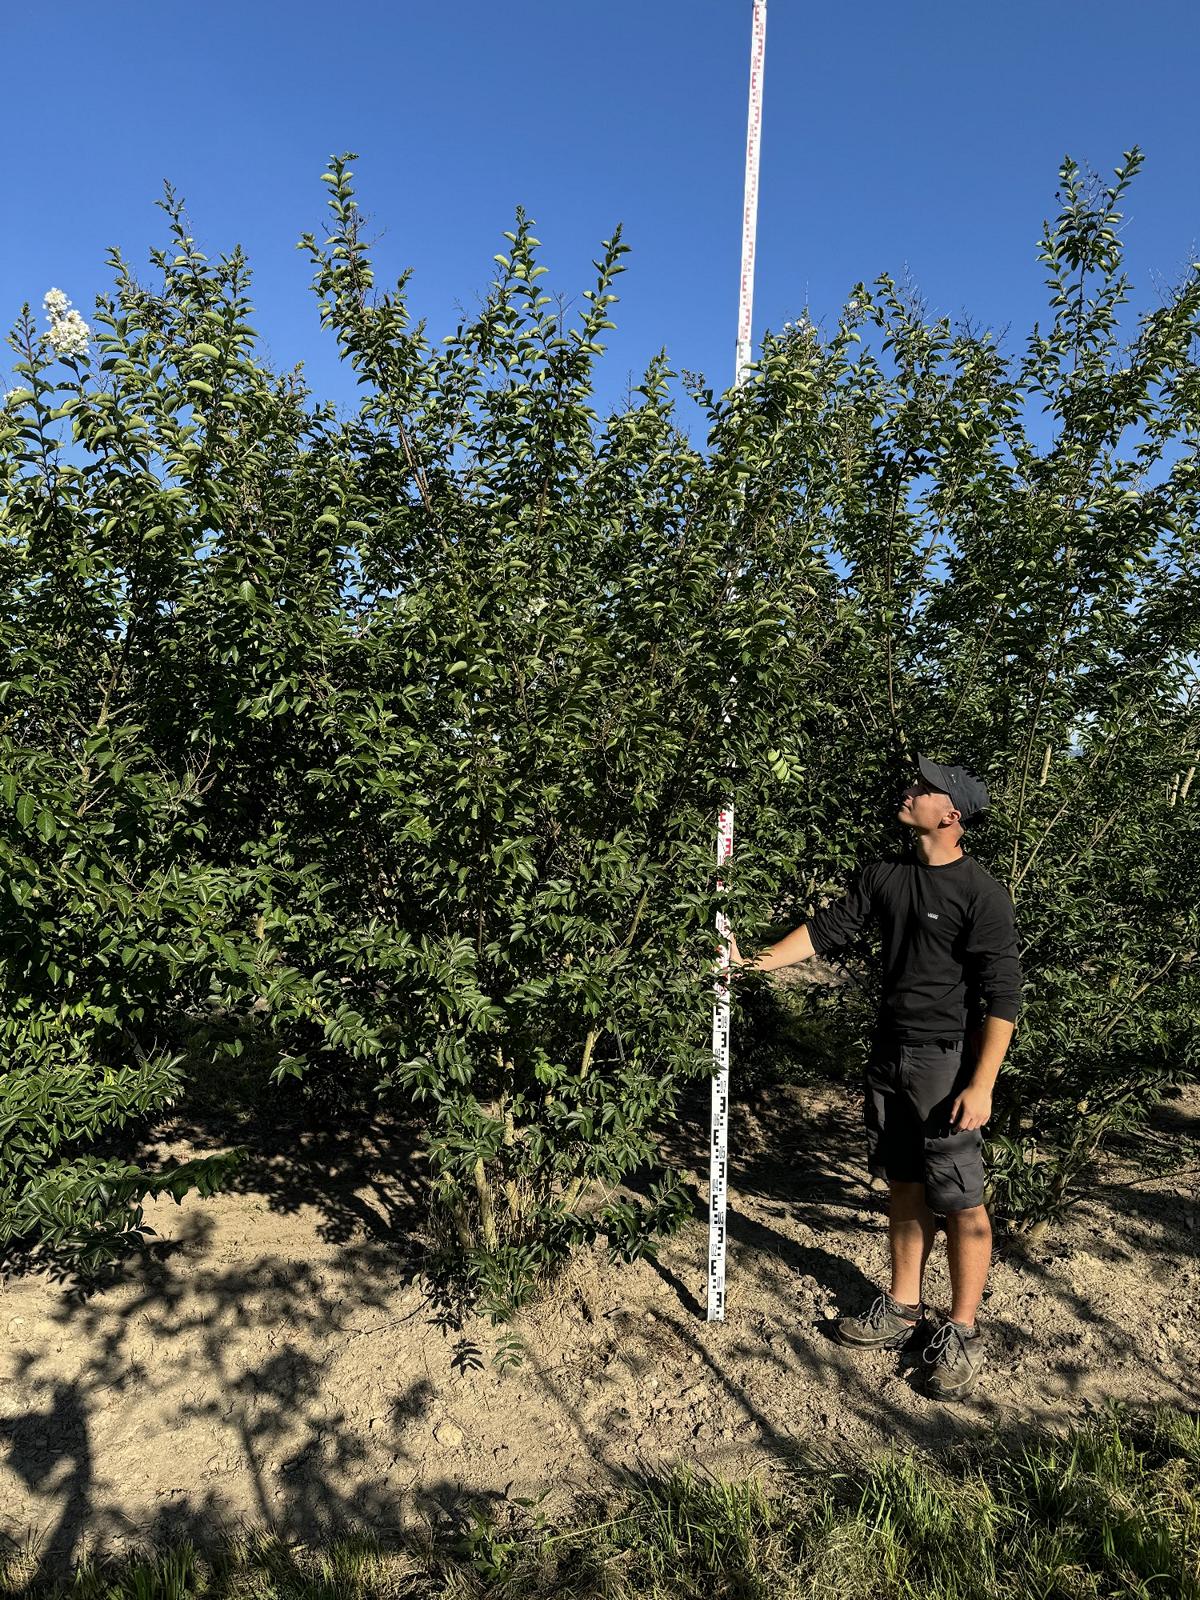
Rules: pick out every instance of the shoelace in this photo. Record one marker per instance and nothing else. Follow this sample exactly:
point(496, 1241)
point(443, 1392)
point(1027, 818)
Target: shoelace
point(879, 1310)
point(874, 1317)
point(939, 1345)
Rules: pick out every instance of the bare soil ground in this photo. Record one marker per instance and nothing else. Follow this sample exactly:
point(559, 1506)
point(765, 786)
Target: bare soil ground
point(277, 1360)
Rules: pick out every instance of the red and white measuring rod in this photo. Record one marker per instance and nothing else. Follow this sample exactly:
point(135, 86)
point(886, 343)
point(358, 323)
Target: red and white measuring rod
point(718, 1166)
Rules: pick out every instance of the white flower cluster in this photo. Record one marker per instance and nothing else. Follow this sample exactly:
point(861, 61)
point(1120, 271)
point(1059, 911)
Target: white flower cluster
point(802, 332)
point(68, 334)
point(858, 306)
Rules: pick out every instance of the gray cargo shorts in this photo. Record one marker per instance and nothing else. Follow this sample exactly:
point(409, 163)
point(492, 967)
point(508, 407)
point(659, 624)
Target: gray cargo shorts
point(909, 1089)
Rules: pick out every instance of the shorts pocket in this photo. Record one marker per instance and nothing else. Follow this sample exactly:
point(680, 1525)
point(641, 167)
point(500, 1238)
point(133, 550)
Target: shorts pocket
point(944, 1185)
point(954, 1174)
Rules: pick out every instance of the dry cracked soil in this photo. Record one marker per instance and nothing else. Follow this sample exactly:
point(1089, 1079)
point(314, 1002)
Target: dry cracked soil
point(276, 1357)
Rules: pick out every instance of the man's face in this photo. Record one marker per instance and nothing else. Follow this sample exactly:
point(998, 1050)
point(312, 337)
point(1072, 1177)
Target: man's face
point(923, 806)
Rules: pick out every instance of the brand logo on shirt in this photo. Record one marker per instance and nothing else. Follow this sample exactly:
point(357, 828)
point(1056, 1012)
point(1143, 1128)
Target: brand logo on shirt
point(932, 914)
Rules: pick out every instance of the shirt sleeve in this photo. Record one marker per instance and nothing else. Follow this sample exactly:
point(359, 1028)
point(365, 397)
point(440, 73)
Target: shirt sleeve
point(834, 925)
point(992, 948)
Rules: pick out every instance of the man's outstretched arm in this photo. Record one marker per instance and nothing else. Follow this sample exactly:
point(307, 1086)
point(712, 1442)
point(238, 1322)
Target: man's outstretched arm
point(833, 926)
point(796, 946)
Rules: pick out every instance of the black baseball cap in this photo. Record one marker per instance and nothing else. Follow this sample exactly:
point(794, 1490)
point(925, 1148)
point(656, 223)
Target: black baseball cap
point(968, 795)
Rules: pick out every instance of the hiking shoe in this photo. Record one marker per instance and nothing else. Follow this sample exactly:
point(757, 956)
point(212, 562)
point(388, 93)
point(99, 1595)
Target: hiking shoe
point(881, 1328)
point(952, 1360)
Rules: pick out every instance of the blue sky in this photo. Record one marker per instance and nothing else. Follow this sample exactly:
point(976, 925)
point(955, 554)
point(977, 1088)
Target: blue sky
point(922, 139)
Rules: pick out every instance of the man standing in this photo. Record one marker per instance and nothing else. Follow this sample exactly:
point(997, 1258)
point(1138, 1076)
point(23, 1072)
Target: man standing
point(951, 997)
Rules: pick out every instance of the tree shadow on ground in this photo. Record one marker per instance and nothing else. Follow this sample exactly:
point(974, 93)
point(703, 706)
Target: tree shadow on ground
point(366, 1183)
point(271, 1417)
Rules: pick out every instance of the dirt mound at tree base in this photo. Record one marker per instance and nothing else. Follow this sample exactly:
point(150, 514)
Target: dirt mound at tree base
point(279, 1361)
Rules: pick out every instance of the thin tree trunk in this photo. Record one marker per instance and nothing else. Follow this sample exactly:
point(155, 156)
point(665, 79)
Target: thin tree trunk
point(589, 1044)
point(487, 1213)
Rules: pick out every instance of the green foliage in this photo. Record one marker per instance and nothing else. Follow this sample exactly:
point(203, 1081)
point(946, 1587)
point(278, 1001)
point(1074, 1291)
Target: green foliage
point(383, 751)
point(387, 740)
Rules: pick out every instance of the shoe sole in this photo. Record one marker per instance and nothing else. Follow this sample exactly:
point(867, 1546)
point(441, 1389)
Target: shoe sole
point(895, 1342)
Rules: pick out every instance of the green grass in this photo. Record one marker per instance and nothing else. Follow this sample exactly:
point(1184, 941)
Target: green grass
point(1112, 1510)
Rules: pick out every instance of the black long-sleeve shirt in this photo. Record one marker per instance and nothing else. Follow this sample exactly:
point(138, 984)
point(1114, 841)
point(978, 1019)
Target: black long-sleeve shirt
point(949, 944)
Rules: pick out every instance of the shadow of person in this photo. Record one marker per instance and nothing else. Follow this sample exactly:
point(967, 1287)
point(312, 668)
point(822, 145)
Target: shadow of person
point(49, 1449)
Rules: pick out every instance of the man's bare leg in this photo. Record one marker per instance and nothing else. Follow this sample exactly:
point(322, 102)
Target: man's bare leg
point(910, 1237)
point(969, 1248)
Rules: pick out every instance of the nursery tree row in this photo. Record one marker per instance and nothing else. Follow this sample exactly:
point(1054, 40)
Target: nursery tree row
point(386, 748)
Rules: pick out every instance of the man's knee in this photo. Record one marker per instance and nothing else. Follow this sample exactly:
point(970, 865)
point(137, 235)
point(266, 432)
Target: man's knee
point(972, 1222)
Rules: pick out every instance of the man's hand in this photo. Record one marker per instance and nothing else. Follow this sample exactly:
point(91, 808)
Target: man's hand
point(736, 960)
point(971, 1109)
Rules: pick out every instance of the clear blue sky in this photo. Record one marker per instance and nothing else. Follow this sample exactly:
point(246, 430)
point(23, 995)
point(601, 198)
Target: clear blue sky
point(923, 137)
